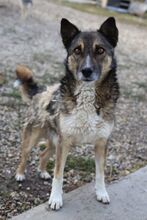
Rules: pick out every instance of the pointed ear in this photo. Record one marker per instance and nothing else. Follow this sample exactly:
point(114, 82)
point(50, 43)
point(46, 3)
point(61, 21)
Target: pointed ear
point(109, 30)
point(68, 32)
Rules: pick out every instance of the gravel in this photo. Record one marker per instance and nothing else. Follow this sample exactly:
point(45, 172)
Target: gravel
point(36, 42)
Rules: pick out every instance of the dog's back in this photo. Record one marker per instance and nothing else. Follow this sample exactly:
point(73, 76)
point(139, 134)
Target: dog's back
point(36, 96)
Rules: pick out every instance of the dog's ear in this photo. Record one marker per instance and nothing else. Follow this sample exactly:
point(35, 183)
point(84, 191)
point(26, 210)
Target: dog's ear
point(109, 30)
point(68, 32)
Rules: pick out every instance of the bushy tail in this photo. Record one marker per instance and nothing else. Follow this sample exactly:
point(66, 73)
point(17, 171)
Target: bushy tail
point(25, 82)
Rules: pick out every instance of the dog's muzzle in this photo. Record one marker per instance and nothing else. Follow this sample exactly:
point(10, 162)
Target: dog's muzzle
point(88, 74)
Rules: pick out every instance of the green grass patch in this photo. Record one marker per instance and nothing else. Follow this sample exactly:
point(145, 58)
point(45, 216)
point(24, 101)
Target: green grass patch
point(80, 164)
point(138, 166)
point(42, 147)
point(93, 9)
point(76, 163)
point(50, 166)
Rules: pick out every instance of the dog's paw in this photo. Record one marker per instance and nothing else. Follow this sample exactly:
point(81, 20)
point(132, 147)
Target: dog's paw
point(19, 177)
point(44, 175)
point(55, 201)
point(102, 196)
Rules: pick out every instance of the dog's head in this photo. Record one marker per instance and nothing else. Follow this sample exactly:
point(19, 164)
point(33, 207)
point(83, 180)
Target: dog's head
point(90, 54)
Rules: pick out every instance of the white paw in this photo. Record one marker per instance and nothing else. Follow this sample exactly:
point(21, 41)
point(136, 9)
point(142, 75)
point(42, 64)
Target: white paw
point(44, 175)
point(20, 177)
point(55, 201)
point(102, 196)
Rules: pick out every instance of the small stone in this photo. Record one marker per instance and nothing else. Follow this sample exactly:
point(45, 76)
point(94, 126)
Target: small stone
point(127, 172)
point(75, 181)
point(71, 172)
point(14, 194)
point(36, 201)
point(46, 183)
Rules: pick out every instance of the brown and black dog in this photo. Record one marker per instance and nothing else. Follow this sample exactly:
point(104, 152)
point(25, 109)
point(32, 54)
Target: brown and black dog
point(79, 110)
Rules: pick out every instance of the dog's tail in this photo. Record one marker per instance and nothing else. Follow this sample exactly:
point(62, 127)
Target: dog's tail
point(26, 83)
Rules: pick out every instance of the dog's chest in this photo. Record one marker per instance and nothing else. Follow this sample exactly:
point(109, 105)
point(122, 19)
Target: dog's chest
point(83, 124)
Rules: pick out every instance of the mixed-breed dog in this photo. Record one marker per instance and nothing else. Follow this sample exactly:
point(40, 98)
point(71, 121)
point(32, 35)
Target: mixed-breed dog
point(25, 6)
point(78, 110)
point(27, 2)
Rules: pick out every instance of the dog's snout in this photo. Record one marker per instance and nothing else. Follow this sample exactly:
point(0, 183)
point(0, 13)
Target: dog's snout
point(87, 72)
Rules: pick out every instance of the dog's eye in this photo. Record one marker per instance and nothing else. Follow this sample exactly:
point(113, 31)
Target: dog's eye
point(77, 50)
point(99, 50)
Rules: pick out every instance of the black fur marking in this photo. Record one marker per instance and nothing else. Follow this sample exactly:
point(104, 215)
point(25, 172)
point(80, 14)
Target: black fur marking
point(98, 111)
point(68, 32)
point(109, 30)
point(34, 88)
point(52, 107)
point(68, 82)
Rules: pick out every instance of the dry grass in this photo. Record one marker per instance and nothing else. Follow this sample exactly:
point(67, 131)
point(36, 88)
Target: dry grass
point(93, 9)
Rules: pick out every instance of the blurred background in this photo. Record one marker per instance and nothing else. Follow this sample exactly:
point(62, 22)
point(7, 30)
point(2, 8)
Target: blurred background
point(30, 35)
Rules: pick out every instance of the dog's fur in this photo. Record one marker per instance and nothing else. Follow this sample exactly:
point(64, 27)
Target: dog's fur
point(78, 110)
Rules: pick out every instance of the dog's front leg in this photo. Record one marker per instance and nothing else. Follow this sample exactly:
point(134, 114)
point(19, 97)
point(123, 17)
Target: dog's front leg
point(100, 158)
point(55, 200)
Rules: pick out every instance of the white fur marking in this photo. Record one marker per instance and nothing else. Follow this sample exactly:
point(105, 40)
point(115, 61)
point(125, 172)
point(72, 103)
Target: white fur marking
point(101, 192)
point(88, 62)
point(83, 123)
point(102, 195)
point(44, 175)
point(19, 177)
point(55, 200)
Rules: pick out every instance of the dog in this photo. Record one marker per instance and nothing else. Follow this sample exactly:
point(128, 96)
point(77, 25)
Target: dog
point(79, 110)
point(25, 6)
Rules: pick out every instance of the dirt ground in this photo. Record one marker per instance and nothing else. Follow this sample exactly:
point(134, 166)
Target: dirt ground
point(36, 42)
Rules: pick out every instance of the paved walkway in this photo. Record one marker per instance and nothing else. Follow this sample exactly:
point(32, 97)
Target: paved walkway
point(128, 202)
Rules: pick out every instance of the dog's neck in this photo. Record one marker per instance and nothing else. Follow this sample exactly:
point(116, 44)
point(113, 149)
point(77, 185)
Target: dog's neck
point(97, 92)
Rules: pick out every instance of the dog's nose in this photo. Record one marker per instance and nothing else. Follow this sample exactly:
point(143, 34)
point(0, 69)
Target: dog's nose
point(87, 72)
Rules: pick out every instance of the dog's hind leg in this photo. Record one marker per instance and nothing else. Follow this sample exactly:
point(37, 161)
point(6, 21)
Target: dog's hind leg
point(100, 158)
point(55, 200)
point(30, 137)
point(44, 157)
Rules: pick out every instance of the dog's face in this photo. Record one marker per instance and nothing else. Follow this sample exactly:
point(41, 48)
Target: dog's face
point(90, 54)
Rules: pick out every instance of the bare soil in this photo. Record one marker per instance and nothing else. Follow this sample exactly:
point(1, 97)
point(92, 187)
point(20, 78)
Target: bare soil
point(36, 42)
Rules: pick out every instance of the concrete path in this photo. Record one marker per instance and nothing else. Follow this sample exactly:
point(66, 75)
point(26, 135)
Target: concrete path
point(128, 202)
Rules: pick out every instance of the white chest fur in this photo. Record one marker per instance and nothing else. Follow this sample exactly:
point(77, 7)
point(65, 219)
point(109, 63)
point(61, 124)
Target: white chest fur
point(83, 124)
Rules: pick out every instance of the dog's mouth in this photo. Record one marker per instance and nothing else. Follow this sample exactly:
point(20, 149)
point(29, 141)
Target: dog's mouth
point(88, 80)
